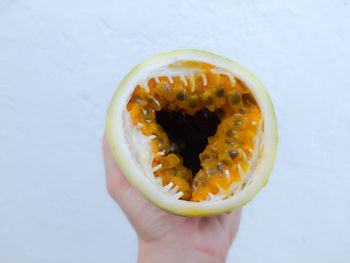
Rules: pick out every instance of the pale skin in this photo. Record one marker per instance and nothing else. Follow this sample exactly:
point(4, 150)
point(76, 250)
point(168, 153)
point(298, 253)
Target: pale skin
point(165, 237)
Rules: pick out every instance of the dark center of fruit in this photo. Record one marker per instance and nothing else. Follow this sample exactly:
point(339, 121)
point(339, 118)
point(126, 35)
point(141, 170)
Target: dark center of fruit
point(189, 133)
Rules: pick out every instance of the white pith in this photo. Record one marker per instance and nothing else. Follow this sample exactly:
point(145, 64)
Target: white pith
point(133, 150)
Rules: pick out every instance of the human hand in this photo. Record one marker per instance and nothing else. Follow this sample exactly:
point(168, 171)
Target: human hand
point(165, 237)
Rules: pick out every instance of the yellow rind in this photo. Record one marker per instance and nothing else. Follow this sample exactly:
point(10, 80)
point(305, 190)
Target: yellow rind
point(119, 155)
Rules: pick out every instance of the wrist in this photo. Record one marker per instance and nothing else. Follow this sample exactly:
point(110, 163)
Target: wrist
point(160, 251)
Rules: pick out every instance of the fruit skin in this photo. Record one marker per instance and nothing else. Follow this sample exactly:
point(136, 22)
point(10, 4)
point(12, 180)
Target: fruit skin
point(138, 179)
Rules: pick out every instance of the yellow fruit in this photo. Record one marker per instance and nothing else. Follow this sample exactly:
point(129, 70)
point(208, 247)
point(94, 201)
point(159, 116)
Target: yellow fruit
point(194, 132)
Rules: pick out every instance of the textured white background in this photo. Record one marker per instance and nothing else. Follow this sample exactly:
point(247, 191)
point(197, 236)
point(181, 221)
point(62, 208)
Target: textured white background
point(60, 62)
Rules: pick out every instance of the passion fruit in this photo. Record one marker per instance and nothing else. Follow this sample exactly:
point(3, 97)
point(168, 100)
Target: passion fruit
point(196, 133)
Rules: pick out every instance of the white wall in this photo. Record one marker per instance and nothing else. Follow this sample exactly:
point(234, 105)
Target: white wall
point(60, 62)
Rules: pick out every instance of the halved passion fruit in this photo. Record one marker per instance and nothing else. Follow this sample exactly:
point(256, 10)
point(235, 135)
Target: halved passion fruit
point(194, 132)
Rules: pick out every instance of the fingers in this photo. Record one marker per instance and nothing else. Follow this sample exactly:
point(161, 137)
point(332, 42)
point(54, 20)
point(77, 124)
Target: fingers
point(118, 186)
point(136, 207)
point(231, 222)
point(234, 221)
point(114, 176)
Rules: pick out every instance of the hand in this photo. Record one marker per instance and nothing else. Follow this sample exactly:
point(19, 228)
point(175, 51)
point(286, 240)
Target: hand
point(165, 237)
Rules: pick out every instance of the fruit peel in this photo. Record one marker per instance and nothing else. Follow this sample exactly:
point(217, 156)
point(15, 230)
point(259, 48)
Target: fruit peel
point(146, 187)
